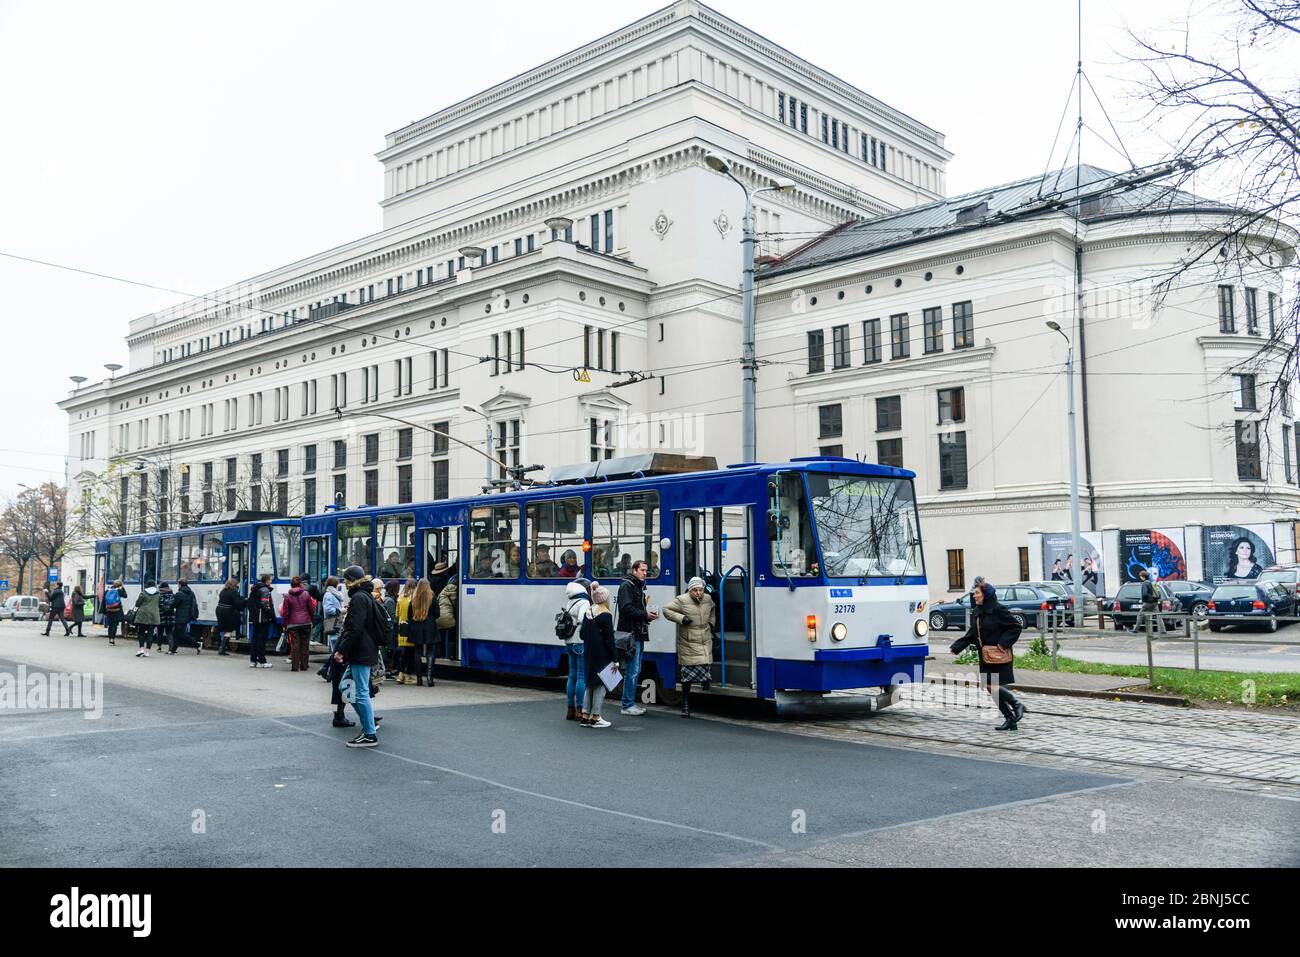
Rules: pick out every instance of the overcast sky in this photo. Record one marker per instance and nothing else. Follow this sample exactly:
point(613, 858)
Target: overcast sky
point(191, 145)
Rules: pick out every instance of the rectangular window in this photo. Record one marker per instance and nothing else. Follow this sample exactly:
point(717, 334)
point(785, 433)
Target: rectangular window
point(1245, 393)
point(282, 462)
point(932, 321)
point(624, 529)
point(889, 413)
point(395, 546)
point(890, 452)
point(496, 354)
point(816, 351)
point(586, 347)
point(441, 479)
point(340, 454)
point(952, 460)
point(803, 117)
point(956, 570)
point(1227, 320)
point(255, 466)
point(553, 535)
point(532, 241)
point(353, 536)
point(835, 134)
point(830, 421)
point(1252, 311)
point(840, 347)
point(508, 443)
point(600, 439)
point(405, 443)
point(341, 489)
point(441, 443)
point(595, 231)
point(403, 484)
point(613, 352)
point(1272, 313)
point(826, 129)
point(780, 108)
point(372, 487)
point(1248, 451)
point(255, 494)
point(1023, 554)
point(493, 542)
point(836, 451)
point(1286, 454)
point(308, 459)
point(952, 405)
point(963, 325)
point(372, 448)
point(870, 341)
point(508, 351)
point(309, 496)
point(609, 230)
point(519, 246)
point(899, 344)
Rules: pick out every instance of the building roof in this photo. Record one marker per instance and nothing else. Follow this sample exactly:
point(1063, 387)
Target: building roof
point(1103, 195)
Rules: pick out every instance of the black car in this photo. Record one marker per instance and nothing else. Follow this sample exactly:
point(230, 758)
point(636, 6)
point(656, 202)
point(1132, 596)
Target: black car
point(1264, 600)
point(1023, 601)
point(1128, 602)
point(1288, 576)
point(1194, 597)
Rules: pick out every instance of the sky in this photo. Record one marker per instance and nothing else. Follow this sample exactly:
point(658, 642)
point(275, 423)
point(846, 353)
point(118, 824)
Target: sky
point(189, 145)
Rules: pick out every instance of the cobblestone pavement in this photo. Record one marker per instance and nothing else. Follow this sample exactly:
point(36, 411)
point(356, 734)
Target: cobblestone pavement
point(1232, 748)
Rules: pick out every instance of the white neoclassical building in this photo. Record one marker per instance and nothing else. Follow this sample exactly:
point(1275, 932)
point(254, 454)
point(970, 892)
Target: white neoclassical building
point(566, 220)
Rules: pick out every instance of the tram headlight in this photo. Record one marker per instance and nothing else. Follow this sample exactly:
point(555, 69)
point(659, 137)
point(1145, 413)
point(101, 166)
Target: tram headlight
point(812, 627)
point(839, 631)
point(921, 628)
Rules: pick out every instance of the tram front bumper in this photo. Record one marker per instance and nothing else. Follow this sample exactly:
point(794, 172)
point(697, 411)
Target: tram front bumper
point(815, 704)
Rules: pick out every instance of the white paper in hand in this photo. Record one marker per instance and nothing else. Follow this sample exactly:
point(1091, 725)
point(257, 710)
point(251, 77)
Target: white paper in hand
point(610, 676)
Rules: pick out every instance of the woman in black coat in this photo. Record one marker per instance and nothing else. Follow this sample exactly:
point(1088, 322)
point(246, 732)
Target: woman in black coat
point(230, 608)
point(598, 652)
point(992, 625)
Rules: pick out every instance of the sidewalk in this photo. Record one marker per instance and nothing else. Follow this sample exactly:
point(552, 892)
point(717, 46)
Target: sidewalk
point(943, 669)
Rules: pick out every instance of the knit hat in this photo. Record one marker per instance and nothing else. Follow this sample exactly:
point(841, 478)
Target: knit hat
point(599, 595)
point(354, 573)
point(696, 582)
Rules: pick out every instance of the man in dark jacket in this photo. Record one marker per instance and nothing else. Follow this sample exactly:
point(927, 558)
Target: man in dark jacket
point(261, 614)
point(58, 610)
point(185, 609)
point(634, 619)
point(358, 650)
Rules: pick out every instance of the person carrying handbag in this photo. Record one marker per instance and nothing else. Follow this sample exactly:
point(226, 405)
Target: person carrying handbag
point(993, 630)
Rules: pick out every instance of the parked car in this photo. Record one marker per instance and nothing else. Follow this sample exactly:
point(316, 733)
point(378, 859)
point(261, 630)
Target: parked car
point(1063, 589)
point(1194, 597)
point(1023, 601)
point(22, 608)
point(1286, 575)
point(1265, 600)
point(1128, 602)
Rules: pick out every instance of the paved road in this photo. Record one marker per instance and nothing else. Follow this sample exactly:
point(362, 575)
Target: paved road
point(489, 775)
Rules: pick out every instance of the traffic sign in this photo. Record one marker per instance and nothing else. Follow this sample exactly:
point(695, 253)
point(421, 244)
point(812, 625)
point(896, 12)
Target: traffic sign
point(4, 584)
point(54, 574)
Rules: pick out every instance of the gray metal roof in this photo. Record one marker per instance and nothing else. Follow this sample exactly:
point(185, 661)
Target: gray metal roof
point(1119, 195)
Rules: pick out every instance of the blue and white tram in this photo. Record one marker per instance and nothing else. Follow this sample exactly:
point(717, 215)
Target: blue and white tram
point(205, 556)
point(817, 563)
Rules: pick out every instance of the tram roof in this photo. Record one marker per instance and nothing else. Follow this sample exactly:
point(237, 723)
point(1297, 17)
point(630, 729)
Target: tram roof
point(210, 528)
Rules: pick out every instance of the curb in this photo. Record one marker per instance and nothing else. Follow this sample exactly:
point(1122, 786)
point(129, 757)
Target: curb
point(1144, 697)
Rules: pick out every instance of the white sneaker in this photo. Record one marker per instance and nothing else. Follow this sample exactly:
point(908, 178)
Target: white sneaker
point(252, 664)
point(636, 709)
point(266, 664)
point(140, 653)
point(146, 653)
point(599, 723)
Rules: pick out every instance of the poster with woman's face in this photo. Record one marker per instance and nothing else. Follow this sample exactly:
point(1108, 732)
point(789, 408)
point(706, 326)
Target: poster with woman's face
point(1058, 559)
point(1161, 551)
point(1236, 552)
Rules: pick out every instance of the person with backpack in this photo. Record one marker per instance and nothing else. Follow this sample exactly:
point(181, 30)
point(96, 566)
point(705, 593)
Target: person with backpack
point(261, 614)
point(166, 614)
point(1149, 612)
point(185, 609)
point(230, 612)
point(296, 612)
point(147, 617)
point(568, 628)
point(78, 610)
point(358, 652)
point(114, 595)
point(634, 617)
point(58, 610)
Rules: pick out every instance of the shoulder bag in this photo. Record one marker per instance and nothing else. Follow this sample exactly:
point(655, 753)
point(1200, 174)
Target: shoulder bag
point(992, 654)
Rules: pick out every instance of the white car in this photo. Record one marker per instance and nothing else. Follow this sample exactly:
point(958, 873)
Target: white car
point(21, 608)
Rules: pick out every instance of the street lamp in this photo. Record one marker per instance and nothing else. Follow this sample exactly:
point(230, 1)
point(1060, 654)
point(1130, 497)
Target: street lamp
point(76, 381)
point(1075, 544)
point(112, 368)
point(487, 439)
point(780, 184)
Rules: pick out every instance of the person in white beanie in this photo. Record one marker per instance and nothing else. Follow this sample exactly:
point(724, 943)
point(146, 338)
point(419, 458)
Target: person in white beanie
point(695, 615)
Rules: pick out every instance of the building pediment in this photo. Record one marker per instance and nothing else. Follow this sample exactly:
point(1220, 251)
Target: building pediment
point(506, 401)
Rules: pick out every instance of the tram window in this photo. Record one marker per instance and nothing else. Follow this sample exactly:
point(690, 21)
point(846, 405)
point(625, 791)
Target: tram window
point(287, 559)
point(317, 559)
point(262, 563)
point(150, 566)
point(440, 546)
point(624, 529)
point(132, 573)
point(116, 552)
point(211, 564)
point(793, 551)
point(397, 546)
point(191, 558)
point(354, 543)
point(554, 538)
point(171, 561)
point(494, 541)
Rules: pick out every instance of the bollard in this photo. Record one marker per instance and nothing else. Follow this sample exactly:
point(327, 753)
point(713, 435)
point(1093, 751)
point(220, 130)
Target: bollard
point(1055, 646)
point(1195, 634)
point(1151, 667)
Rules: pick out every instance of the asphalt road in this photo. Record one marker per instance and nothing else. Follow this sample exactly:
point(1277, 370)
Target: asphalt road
point(192, 764)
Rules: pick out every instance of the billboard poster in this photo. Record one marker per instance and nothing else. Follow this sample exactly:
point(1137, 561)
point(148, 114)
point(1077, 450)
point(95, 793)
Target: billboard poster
point(1058, 559)
point(1235, 552)
point(1161, 551)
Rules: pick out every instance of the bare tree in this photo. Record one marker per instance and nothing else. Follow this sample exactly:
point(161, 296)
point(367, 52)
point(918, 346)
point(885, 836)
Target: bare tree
point(20, 532)
point(1221, 88)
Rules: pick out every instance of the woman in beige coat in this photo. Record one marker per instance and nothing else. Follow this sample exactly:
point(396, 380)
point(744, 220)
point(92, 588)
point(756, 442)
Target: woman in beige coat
point(694, 614)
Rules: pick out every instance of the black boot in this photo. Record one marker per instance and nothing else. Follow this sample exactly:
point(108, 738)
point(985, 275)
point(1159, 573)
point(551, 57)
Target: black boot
point(686, 699)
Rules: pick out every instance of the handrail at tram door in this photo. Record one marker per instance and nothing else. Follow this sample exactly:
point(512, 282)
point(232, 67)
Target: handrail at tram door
point(722, 612)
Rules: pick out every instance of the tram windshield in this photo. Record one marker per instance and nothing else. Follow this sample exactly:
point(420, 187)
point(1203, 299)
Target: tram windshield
point(868, 527)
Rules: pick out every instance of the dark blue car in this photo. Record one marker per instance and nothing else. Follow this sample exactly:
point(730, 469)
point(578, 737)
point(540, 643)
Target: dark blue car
point(1023, 601)
point(1236, 605)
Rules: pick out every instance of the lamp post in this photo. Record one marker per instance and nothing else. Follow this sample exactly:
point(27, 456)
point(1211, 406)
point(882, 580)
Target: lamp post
point(487, 438)
point(1075, 542)
point(782, 185)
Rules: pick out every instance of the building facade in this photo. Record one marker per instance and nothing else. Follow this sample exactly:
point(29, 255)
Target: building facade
point(556, 281)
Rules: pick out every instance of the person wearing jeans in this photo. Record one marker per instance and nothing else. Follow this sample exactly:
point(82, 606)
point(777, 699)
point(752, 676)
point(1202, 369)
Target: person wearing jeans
point(358, 648)
point(359, 692)
point(634, 617)
point(575, 593)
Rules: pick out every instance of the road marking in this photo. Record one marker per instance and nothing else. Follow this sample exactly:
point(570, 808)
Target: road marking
point(545, 797)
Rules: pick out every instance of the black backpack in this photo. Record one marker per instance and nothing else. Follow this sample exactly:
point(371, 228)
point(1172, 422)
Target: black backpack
point(266, 602)
point(564, 626)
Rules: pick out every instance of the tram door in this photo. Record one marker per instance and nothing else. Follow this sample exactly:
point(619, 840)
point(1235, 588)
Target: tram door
point(441, 546)
point(101, 567)
point(714, 544)
point(149, 565)
point(238, 556)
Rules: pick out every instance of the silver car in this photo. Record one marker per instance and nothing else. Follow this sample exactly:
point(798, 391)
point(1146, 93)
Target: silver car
point(21, 608)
